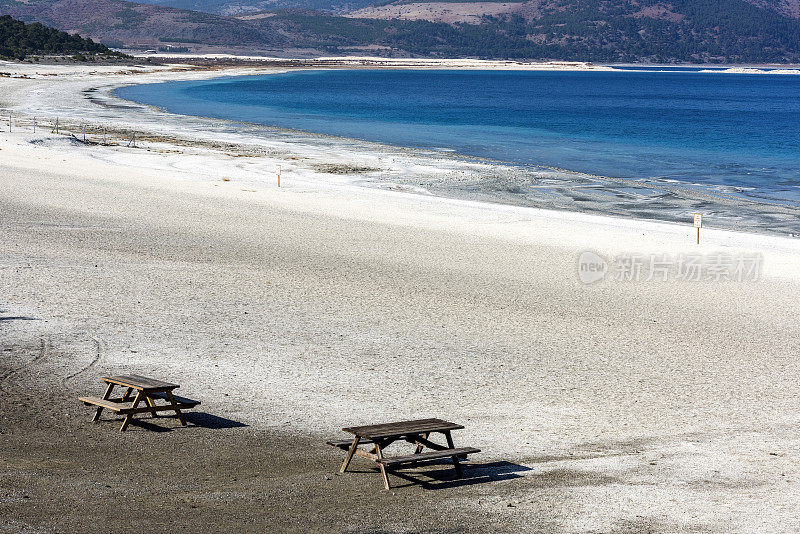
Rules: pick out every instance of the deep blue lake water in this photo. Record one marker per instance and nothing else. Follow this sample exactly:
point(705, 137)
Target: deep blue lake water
point(732, 129)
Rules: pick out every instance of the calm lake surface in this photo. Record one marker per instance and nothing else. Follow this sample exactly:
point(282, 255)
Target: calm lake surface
point(740, 130)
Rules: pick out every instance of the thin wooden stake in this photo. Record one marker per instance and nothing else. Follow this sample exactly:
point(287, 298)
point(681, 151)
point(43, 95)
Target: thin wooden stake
point(34, 125)
point(698, 223)
point(279, 175)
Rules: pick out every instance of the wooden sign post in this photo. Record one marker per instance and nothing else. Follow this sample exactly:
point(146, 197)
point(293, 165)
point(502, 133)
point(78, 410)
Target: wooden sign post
point(279, 175)
point(698, 223)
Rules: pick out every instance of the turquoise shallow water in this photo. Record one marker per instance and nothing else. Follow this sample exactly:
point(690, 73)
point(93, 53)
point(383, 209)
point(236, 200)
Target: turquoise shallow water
point(716, 129)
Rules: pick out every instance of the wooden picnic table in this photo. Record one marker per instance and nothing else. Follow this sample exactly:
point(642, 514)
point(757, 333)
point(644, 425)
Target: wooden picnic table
point(148, 390)
point(416, 432)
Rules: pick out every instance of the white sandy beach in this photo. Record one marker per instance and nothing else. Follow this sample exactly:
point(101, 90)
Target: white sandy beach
point(671, 405)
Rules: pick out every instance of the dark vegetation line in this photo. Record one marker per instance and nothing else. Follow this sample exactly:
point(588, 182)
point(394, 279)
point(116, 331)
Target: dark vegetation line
point(18, 40)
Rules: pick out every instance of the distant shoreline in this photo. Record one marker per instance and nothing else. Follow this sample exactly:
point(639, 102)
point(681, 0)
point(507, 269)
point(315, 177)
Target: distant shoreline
point(377, 62)
point(234, 60)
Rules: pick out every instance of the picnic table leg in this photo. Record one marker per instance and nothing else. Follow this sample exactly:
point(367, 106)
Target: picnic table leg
point(385, 477)
point(106, 396)
point(420, 447)
point(350, 452)
point(455, 458)
point(128, 417)
point(127, 396)
point(177, 411)
point(151, 403)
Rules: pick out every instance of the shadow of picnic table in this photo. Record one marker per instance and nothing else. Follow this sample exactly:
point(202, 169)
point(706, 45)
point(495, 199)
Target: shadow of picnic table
point(193, 420)
point(440, 474)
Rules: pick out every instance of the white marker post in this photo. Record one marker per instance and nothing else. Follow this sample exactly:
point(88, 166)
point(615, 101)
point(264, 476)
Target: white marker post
point(279, 175)
point(698, 223)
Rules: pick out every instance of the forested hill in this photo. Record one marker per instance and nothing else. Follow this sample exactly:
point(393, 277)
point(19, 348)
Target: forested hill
point(609, 31)
point(693, 31)
point(18, 40)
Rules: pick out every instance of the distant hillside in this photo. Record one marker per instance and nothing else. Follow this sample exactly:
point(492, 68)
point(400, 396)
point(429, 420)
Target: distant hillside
point(694, 31)
point(600, 10)
point(241, 7)
point(119, 23)
point(790, 8)
point(18, 40)
point(620, 30)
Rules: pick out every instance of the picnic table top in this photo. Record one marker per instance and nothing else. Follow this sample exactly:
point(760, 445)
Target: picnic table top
point(402, 428)
point(140, 382)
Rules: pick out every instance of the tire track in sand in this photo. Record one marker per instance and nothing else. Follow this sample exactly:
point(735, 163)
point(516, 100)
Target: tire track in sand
point(44, 347)
point(100, 352)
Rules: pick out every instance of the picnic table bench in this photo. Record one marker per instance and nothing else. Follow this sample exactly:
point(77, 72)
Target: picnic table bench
point(416, 432)
point(147, 389)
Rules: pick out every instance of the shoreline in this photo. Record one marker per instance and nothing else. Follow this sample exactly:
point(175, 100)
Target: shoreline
point(491, 64)
point(208, 165)
point(89, 100)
